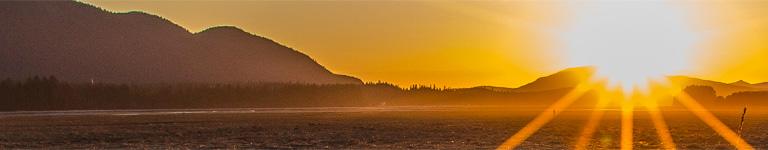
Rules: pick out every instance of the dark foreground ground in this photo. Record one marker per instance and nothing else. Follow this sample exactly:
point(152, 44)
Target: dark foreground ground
point(365, 128)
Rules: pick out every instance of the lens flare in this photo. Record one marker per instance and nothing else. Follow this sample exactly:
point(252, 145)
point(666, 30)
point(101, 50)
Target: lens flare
point(629, 41)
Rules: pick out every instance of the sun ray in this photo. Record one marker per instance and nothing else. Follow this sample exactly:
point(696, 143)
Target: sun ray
point(627, 108)
point(706, 116)
point(712, 121)
point(594, 119)
point(545, 116)
point(662, 130)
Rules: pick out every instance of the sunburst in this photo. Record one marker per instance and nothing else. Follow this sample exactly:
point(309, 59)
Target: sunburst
point(628, 103)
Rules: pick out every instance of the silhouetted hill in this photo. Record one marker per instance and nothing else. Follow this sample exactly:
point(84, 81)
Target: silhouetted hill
point(722, 89)
point(705, 95)
point(567, 78)
point(78, 42)
point(761, 85)
point(748, 98)
point(741, 83)
point(738, 93)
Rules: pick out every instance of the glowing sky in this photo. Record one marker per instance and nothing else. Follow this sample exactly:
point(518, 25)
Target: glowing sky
point(500, 43)
point(630, 41)
point(738, 48)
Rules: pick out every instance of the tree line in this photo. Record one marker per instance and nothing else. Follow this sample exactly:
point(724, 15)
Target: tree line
point(48, 93)
point(707, 96)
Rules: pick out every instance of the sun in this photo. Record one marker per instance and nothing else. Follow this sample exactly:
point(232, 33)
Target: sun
point(629, 41)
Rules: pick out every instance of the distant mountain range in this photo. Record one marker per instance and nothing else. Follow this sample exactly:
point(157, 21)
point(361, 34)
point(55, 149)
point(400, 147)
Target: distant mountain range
point(78, 42)
point(571, 77)
point(722, 89)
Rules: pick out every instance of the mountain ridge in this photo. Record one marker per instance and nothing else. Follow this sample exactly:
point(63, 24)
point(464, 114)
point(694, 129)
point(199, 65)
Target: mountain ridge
point(80, 42)
point(571, 77)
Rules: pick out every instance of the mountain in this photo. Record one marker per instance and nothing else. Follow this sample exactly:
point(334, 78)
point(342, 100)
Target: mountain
point(567, 78)
point(763, 85)
point(722, 89)
point(741, 83)
point(79, 42)
point(573, 76)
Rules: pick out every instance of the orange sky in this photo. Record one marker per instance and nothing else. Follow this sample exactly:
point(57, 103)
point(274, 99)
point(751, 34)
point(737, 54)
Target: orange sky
point(455, 43)
point(738, 48)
